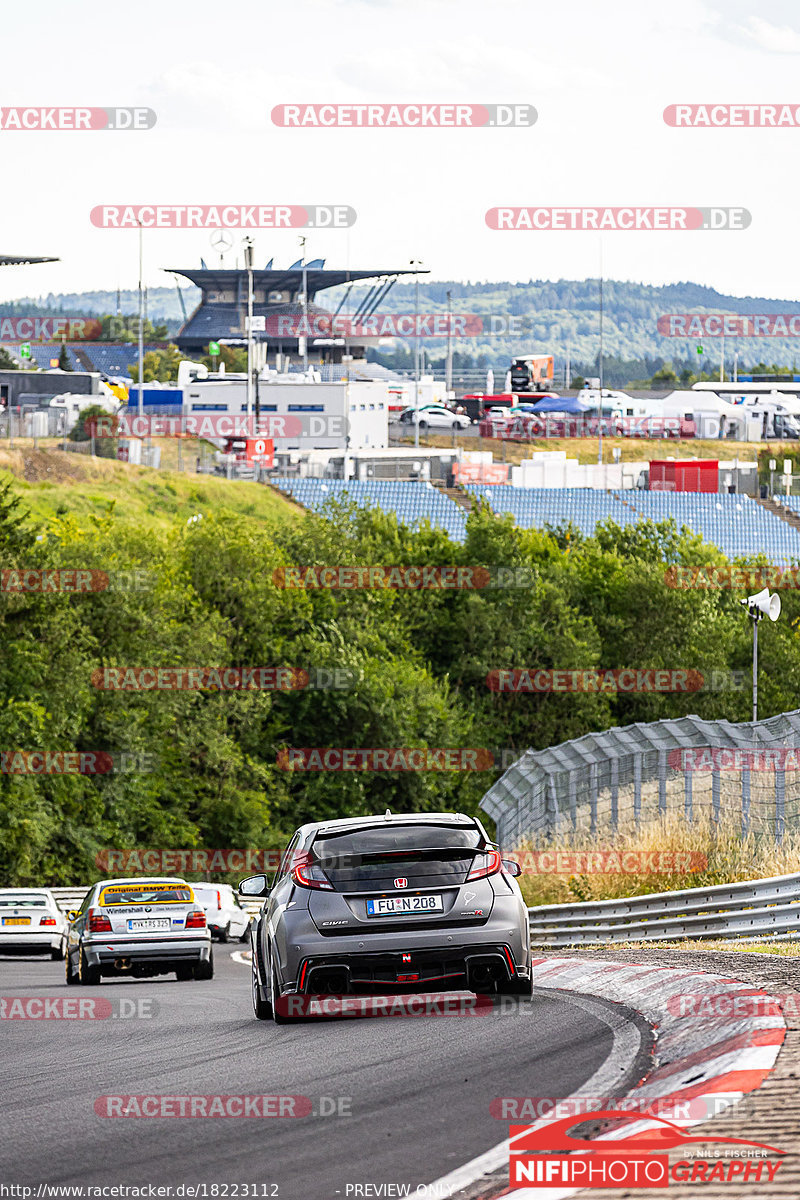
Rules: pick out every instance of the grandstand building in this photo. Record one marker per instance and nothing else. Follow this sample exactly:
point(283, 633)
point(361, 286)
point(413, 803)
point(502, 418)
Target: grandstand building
point(222, 311)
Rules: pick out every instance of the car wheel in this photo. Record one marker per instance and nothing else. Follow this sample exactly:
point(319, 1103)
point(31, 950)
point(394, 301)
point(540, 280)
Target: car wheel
point(516, 987)
point(184, 973)
point(262, 1008)
point(245, 934)
point(88, 976)
point(223, 933)
point(205, 970)
point(423, 424)
point(71, 977)
point(57, 952)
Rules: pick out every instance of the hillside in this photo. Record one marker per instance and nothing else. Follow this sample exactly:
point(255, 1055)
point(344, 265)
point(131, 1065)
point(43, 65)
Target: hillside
point(555, 315)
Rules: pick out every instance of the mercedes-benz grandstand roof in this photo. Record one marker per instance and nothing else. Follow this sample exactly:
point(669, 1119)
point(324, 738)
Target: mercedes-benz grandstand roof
point(11, 260)
point(316, 278)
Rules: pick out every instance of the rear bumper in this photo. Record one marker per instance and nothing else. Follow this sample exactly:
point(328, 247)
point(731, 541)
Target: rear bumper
point(29, 942)
point(446, 968)
point(104, 952)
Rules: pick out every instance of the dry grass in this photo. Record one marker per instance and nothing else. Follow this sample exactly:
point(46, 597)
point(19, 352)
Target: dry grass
point(784, 949)
point(585, 449)
point(729, 859)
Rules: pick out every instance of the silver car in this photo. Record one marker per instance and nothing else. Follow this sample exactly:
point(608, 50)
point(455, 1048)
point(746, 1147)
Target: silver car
point(225, 916)
point(138, 927)
point(388, 904)
point(31, 922)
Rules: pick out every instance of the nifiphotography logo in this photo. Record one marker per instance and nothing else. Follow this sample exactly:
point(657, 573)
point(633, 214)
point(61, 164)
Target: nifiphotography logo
point(539, 1157)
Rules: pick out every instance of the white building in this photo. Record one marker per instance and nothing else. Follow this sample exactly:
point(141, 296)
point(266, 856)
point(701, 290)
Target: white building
point(325, 415)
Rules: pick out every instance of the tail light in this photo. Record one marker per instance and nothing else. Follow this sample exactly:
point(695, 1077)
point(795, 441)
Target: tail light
point(309, 874)
point(487, 863)
point(196, 920)
point(98, 922)
point(219, 900)
point(47, 921)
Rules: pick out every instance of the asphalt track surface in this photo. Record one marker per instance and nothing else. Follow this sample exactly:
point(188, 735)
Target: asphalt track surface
point(418, 1089)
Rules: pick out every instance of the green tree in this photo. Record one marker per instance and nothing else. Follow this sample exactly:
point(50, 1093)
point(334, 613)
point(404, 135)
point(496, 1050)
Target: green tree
point(63, 359)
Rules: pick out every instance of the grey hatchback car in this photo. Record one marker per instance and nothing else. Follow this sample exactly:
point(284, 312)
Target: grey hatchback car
point(389, 904)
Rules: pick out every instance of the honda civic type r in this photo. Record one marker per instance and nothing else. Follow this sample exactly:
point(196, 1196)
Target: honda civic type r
point(138, 927)
point(388, 905)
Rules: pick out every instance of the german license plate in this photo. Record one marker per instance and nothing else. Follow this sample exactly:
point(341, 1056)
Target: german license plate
point(16, 920)
point(152, 924)
point(393, 906)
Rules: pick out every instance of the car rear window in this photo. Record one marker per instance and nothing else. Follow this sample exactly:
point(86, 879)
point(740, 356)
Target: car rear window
point(422, 853)
point(23, 902)
point(146, 893)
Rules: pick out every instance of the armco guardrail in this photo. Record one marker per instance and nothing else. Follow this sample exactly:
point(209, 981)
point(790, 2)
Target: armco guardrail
point(767, 909)
point(72, 897)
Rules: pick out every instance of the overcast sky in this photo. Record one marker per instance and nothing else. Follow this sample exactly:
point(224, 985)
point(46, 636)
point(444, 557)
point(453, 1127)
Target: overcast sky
point(599, 74)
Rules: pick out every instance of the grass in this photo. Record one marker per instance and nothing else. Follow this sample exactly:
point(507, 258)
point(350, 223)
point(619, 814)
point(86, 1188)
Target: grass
point(784, 949)
point(585, 449)
point(729, 859)
point(53, 483)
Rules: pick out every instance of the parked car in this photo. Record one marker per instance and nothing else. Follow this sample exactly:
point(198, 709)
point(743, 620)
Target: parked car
point(224, 913)
point(436, 416)
point(388, 904)
point(31, 922)
point(138, 927)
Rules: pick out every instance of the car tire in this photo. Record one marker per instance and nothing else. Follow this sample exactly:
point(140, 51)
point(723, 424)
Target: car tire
point(87, 976)
point(184, 972)
point(71, 976)
point(204, 970)
point(423, 424)
point(245, 934)
point(57, 953)
point(223, 933)
point(261, 1007)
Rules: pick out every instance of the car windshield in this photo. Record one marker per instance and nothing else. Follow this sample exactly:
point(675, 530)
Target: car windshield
point(12, 901)
point(146, 893)
point(206, 893)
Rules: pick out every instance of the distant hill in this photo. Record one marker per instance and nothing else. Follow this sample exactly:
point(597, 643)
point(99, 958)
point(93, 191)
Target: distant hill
point(558, 317)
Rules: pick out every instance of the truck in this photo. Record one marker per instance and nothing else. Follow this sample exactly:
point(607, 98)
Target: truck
point(532, 373)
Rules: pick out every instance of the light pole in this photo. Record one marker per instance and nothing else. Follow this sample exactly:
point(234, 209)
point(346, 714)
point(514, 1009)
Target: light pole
point(448, 362)
point(600, 371)
point(305, 306)
point(140, 409)
point(759, 606)
point(416, 264)
point(248, 262)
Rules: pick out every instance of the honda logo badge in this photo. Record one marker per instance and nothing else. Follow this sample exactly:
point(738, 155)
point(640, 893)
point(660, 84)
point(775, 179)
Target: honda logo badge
point(401, 882)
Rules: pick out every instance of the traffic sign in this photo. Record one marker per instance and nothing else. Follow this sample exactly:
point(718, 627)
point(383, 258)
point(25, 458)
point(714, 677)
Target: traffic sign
point(25, 350)
point(213, 348)
point(258, 324)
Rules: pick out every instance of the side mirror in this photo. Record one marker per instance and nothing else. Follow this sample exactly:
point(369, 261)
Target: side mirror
point(512, 868)
point(72, 914)
point(254, 886)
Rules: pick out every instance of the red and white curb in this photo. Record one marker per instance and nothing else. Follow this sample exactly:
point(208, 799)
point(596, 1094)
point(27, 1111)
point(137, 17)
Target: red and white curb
point(712, 1054)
